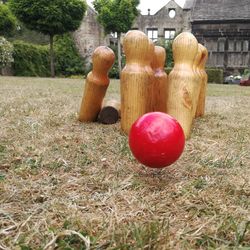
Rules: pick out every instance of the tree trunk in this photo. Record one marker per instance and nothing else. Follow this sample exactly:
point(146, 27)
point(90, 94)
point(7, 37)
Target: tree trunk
point(119, 52)
point(52, 62)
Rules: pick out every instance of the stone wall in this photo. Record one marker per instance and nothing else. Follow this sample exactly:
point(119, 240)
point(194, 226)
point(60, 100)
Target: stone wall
point(89, 35)
point(162, 21)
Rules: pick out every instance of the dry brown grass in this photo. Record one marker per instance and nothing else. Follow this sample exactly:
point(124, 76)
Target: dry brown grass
point(64, 184)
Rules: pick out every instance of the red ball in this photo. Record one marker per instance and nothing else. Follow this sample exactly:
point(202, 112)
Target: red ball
point(156, 140)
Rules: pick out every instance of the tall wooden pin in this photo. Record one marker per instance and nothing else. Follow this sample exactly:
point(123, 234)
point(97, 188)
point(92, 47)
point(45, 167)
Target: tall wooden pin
point(198, 82)
point(96, 84)
point(135, 79)
point(182, 81)
point(200, 111)
point(150, 72)
point(159, 88)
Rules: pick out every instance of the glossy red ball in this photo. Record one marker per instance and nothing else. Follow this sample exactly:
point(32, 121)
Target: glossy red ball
point(156, 140)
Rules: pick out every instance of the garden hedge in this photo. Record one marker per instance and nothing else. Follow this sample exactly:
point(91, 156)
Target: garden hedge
point(33, 60)
point(30, 59)
point(215, 75)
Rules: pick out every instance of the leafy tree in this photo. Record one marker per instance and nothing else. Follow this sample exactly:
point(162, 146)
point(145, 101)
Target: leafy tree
point(7, 20)
point(53, 17)
point(116, 16)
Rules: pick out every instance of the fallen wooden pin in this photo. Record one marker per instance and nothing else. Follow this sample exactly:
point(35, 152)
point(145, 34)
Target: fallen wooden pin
point(110, 112)
point(96, 84)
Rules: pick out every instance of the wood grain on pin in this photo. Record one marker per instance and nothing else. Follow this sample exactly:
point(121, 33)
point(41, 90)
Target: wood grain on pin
point(200, 111)
point(198, 81)
point(150, 73)
point(110, 112)
point(96, 84)
point(182, 81)
point(135, 78)
point(159, 87)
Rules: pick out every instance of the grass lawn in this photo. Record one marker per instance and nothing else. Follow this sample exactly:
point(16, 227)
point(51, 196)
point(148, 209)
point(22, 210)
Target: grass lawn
point(72, 184)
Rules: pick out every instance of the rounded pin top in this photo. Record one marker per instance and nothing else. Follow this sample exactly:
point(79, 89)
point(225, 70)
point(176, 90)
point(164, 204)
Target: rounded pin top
point(102, 59)
point(136, 46)
point(159, 57)
point(185, 47)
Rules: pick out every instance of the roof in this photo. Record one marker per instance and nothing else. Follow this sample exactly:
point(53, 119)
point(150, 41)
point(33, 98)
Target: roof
point(188, 4)
point(221, 10)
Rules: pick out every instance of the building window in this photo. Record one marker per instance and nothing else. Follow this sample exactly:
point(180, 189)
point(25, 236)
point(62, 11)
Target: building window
point(238, 46)
point(245, 46)
point(153, 34)
point(231, 45)
point(169, 34)
point(171, 13)
point(113, 34)
point(221, 45)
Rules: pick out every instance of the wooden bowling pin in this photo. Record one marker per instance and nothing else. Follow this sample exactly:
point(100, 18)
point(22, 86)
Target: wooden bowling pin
point(96, 84)
point(200, 111)
point(182, 81)
point(150, 73)
point(110, 112)
point(135, 78)
point(159, 87)
point(199, 78)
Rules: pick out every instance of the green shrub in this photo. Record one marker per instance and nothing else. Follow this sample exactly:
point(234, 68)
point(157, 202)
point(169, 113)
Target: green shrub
point(114, 71)
point(215, 75)
point(6, 52)
point(33, 60)
point(169, 53)
point(246, 73)
point(68, 60)
point(30, 59)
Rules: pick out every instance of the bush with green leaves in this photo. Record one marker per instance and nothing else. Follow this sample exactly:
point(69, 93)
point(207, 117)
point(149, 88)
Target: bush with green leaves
point(68, 60)
point(6, 52)
point(215, 75)
point(33, 60)
point(30, 59)
point(169, 54)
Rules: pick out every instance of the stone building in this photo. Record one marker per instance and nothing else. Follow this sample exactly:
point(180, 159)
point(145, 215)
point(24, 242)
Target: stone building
point(224, 28)
point(89, 35)
point(170, 20)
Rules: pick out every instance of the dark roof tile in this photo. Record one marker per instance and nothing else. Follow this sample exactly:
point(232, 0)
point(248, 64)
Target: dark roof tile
point(221, 10)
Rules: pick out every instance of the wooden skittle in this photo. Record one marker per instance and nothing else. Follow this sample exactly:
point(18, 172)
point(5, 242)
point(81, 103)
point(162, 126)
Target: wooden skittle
point(96, 84)
point(110, 112)
point(151, 75)
point(200, 111)
point(182, 81)
point(196, 70)
point(159, 88)
point(135, 79)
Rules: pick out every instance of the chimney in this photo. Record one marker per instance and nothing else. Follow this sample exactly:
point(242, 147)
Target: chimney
point(149, 12)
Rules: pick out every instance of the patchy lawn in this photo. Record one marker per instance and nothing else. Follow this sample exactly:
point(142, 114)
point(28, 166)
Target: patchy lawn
point(77, 184)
